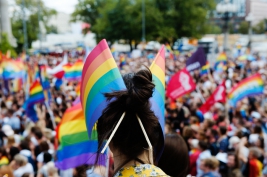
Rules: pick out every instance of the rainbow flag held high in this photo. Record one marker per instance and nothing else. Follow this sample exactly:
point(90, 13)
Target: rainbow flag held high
point(100, 75)
point(169, 50)
point(44, 77)
point(221, 67)
point(222, 58)
point(122, 61)
point(158, 99)
point(13, 69)
point(73, 72)
point(36, 93)
point(248, 87)
point(205, 69)
point(75, 147)
point(17, 84)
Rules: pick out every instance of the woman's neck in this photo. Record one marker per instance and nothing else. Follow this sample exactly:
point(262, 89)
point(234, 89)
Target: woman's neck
point(121, 160)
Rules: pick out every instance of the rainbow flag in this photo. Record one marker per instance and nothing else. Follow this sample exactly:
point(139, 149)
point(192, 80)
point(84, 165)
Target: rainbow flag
point(75, 147)
point(13, 69)
point(205, 69)
point(100, 75)
point(169, 50)
point(221, 67)
point(122, 61)
point(17, 84)
point(31, 113)
point(250, 86)
point(44, 77)
point(158, 98)
point(78, 89)
point(36, 93)
point(222, 58)
point(73, 72)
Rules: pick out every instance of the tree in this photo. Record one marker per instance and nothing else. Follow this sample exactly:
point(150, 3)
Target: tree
point(259, 28)
point(87, 11)
point(188, 18)
point(166, 20)
point(5, 45)
point(243, 28)
point(122, 19)
point(32, 11)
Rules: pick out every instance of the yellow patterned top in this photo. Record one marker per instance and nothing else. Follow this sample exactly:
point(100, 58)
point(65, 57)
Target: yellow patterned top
point(142, 170)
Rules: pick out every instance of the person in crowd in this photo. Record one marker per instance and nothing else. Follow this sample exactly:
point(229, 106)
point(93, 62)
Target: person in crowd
point(209, 167)
point(21, 166)
point(233, 165)
point(193, 156)
point(223, 139)
point(170, 162)
point(254, 165)
point(204, 153)
point(129, 145)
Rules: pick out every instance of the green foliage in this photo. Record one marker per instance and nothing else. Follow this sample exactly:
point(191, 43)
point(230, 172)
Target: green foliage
point(32, 10)
point(259, 28)
point(5, 45)
point(166, 20)
point(243, 28)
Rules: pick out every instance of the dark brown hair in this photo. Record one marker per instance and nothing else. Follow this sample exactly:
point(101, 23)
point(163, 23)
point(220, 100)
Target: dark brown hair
point(236, 159)
point(129, 138)
point(175, 159)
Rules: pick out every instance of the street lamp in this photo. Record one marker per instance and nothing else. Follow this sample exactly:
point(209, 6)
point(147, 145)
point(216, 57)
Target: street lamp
point(249, 19)
point(226, 8)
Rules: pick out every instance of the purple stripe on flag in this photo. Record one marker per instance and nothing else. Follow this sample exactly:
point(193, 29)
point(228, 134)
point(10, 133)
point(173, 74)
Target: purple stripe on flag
point(88, 159)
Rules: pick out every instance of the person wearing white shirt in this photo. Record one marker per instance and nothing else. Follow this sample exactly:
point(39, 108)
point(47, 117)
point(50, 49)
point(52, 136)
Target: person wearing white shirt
point(21, 166)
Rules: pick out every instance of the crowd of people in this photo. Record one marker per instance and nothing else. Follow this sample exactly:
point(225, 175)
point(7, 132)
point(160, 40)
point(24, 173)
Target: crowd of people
point(225, 142)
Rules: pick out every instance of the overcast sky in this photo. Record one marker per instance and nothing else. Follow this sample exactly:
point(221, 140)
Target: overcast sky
point(61, 5)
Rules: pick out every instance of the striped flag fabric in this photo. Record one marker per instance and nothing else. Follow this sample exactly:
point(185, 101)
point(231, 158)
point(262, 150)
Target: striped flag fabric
point(76, 148)
point(100, 75)
point(205, 69)
point(73, 72)
point(36, 93)
point(158, 76)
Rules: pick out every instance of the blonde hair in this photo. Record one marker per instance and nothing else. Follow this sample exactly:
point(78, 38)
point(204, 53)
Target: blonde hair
point(20, 160)
point(211, 162)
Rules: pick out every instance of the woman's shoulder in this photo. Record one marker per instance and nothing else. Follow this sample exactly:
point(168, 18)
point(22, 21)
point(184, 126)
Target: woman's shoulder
point(142, 170)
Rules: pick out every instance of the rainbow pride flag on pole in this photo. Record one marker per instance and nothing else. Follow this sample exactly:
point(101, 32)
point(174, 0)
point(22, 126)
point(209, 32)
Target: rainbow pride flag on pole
point(248, 87)
point(73, 72)
point(13, 69)
point(158, 76)
point(75, 147)
point(122, 61)
point(17, 84)
point(205, 69)
point(36, 93)
point(44, 77)
point(100, 75)
point(222, 58)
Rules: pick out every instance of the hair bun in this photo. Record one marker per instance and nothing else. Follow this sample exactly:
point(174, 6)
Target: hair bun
point(141, 88)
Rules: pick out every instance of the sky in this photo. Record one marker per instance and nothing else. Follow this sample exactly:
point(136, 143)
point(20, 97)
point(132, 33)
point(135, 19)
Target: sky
point(66, 6)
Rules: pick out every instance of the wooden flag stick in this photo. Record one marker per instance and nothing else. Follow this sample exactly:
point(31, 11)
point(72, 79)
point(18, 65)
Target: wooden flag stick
point(147, 139)
point(112, 134)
